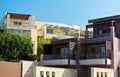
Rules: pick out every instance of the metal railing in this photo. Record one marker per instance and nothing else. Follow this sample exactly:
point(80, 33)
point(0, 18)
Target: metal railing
point(99, 36)
point(26, 27)
point(94, 56)
point(57, 56)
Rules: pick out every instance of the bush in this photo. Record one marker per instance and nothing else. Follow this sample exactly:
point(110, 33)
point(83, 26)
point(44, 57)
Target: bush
point(13, 60)
point(31, 57)
point(15, 47)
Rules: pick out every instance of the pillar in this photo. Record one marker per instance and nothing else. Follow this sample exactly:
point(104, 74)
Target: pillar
point(112, 31)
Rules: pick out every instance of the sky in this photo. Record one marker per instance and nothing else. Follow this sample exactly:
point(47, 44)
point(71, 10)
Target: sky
point(69, 12)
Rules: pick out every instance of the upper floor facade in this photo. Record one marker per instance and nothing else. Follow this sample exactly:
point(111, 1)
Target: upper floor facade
point(26, 25)
point(100, 47)
point(17, 21)
point(21, 24)
point(56, 31)
point(101, 27)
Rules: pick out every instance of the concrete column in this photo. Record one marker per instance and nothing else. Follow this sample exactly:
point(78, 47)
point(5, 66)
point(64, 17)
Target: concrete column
point(112, 31)
point(79, 34)
point(50, 74)
point(112, 35)
point(41, 58)
point(103, 74)
point(31, 21)
point(45, 74)
point(99, 74)
point(34, 40)
point(44, 31)
point(78, 57)
point(8, 19)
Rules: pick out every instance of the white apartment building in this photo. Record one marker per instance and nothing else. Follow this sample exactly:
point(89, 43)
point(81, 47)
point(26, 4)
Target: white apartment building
point(26, 25)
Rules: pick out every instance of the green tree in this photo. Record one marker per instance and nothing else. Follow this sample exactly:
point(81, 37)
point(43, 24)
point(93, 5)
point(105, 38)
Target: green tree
point(41, 42)
point(15, 47)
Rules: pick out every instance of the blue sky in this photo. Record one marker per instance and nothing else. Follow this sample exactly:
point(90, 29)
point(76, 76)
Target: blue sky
point(70, 12)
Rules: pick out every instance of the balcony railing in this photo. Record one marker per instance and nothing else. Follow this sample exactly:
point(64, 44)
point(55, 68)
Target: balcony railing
point(57, 56)
point(94, 56)
point(24, 27)
point(62, 34)
point(99, 36)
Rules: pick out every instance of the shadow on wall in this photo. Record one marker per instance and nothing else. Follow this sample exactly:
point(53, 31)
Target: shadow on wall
point(28, 68)
point(69, 73)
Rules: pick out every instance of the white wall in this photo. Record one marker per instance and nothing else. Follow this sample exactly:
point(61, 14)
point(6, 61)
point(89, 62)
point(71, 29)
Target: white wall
point(59, 72)
point(31, 69)
point(101, 71)
point(28, 68)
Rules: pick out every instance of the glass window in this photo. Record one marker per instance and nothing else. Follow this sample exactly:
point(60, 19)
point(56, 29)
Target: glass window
point(102, 50)
point(96, 52)
point(64, 33)
point(64, 52)
point(91, 53)
point(17, 23)
point(49, 31)
point(104, 33)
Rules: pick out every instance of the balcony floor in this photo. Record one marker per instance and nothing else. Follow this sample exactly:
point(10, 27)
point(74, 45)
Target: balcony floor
point(94, 61)
point(73, 62)
point(59, 62)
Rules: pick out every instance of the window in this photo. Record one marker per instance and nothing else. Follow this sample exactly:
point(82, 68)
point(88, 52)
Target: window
point(47, 74)
point(64, 33)
point(53, 74)
point(49, 31)
point(17, 23)
point(92, 53)
point(63, 52)
point(96, 51)
point(104, 33)
point(41, 74)
point(102, 51)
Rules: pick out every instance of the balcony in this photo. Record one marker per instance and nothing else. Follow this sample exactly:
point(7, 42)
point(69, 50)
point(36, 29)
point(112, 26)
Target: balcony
point(98, 61)
point(94, 59)
point(22, 27)
point(58, 59)
point(59, 36)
